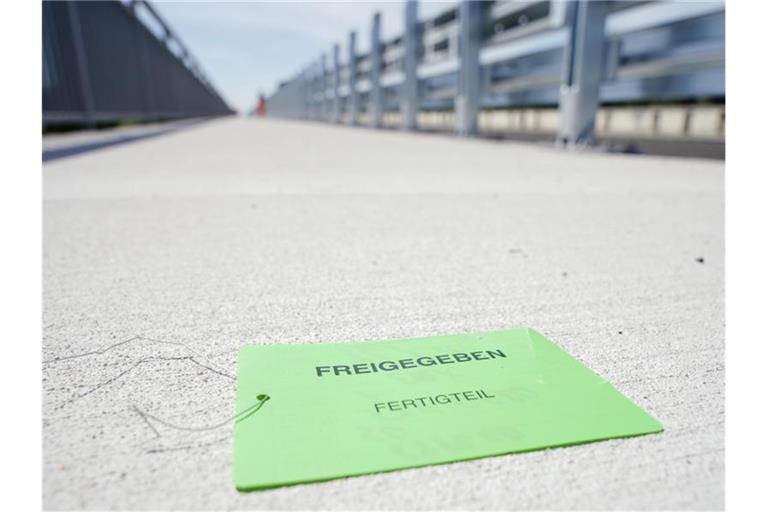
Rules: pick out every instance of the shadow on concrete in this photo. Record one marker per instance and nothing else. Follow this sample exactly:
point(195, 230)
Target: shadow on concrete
point(685, 148)
point(106, 139)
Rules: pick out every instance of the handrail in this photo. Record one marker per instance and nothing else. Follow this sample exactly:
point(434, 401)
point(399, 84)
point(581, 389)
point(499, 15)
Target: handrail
point(566, 54)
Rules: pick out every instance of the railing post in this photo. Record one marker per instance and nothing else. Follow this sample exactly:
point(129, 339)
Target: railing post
point(467, 102)
point(375, 106)
point(306, 94)
point(312, 80)
point(147, 80)
point(336, 113)
point(82, 64)
point(352, 96)
point(319, 100)
point(302, 95)
point(311, 88)
point(582, 73)
point(409, 90)
point(323, 87)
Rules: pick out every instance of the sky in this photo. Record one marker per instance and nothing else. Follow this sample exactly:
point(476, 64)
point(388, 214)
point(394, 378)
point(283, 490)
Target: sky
point(248, 47)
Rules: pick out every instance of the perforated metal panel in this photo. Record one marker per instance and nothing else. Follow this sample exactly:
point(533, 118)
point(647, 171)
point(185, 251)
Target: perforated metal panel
point(102, 64)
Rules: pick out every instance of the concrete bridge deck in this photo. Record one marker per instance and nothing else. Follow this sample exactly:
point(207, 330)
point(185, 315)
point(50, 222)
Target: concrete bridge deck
point(163, 256)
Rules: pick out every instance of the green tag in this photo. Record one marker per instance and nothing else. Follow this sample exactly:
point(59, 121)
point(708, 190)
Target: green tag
point(336, 410)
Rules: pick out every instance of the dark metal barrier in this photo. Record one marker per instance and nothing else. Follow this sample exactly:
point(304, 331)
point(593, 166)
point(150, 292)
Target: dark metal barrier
point(104, 63)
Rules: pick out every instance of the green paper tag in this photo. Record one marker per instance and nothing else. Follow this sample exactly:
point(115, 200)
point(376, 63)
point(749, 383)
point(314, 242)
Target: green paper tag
point(337, 410)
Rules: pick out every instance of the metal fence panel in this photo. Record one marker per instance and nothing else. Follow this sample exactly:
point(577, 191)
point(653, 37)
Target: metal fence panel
point(102, 64)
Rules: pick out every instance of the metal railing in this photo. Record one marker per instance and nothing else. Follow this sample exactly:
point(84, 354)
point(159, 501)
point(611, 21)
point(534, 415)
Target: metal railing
point(481, 56)
point(111, 61)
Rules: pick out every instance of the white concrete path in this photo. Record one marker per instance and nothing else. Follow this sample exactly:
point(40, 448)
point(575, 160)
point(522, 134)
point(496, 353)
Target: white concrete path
point(251, 231)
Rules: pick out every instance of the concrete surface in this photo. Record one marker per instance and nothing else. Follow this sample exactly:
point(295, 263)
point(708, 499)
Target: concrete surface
point(66, 144)
point(252, 231)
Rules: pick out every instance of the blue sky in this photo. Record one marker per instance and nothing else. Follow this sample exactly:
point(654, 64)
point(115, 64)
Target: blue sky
point(247, 47)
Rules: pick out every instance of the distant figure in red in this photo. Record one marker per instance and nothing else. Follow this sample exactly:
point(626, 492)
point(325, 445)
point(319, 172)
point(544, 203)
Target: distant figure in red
point(261, 106)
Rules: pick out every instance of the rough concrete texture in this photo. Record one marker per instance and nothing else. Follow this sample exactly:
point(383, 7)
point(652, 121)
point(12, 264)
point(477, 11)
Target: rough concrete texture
point(67, 140)
point(251, 231)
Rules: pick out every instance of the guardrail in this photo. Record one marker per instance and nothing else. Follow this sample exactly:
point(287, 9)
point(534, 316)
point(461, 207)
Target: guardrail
point(107, 62)
point(478, 57)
